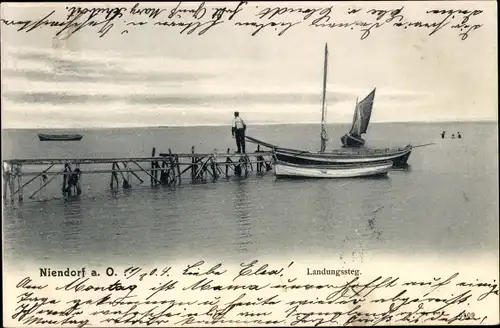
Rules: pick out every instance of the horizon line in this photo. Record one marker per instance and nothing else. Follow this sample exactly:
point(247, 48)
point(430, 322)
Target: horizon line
point(492, 120)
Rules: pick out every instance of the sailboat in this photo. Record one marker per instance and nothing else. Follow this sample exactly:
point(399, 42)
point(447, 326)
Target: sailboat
point(361, 119)
point(326, 169)
point(357, 156)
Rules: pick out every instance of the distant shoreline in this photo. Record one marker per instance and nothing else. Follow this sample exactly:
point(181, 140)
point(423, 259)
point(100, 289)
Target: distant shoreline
point(253, 124)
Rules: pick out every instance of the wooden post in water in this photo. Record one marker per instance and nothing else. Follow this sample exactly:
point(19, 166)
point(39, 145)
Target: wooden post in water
point(205, 169)
point(249, 162)
point(156, 166)
point(114, 176)
point(65, 179)
point(125, 184)
point(125, 167)
point(5, 175)
point(79, 181)
point(68, 176)
point(172, 166)
point(200, 169)
point(178, 168)
point(228, 161)
point(260, 160)
point(19, 182)
point(11, 185)
point(214, 165)
point(193, 166)
point(111, 180)
point(164, 173)
point(210, 168)
point(153, 182)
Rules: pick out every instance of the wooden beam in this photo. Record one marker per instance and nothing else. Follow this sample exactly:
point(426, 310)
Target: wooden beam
point(133, 172)
point(143, 170)
point(188, 166)
point(46, 183)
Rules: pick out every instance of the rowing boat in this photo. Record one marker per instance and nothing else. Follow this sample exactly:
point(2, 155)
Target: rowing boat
point(59, 137)
point(284, 169)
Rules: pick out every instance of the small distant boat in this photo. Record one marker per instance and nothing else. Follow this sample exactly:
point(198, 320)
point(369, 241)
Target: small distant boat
point(283, 169)
point(59, 137)
point(361, 119)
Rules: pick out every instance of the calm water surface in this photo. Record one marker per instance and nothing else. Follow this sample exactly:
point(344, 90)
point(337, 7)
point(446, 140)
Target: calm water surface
point(447, 202)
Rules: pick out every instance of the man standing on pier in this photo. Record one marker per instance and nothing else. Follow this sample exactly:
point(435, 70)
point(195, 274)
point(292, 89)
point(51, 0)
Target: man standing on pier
point(238, 130)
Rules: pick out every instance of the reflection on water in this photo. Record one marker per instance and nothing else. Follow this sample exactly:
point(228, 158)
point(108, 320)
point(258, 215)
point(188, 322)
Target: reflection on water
point(241, 202)
point(71, 227)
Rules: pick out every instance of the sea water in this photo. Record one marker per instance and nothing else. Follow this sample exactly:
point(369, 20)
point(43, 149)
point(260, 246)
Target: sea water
point(446, 202)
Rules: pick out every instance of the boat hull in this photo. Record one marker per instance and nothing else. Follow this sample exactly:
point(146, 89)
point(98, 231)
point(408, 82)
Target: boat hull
point(332, 171)
point(348, 140)
point(59, 137)
point(398, 157)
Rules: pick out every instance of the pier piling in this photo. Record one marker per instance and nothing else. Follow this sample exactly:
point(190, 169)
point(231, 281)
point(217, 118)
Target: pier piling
point(125, 184)
point(19, 181)
point(153, 166)
point(5, 176)
point(114, 176)
point(178, 166)
point(65, 178)
point(173, 180)
point(193, 167)
point(11, 185)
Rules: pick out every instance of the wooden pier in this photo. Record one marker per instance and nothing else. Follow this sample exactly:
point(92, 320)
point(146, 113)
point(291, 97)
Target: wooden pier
point(164, 169)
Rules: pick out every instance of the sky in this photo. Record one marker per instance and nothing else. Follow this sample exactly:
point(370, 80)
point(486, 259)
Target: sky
point(153, 75)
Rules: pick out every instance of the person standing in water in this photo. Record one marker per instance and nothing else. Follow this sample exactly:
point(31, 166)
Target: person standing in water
point(459, 136)
point(442, 134)
point(238, 129)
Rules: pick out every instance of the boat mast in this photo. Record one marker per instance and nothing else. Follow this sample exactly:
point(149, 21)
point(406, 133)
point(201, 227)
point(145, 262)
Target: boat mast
point(357, 123)
point(323, 109)
point(355, 117)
